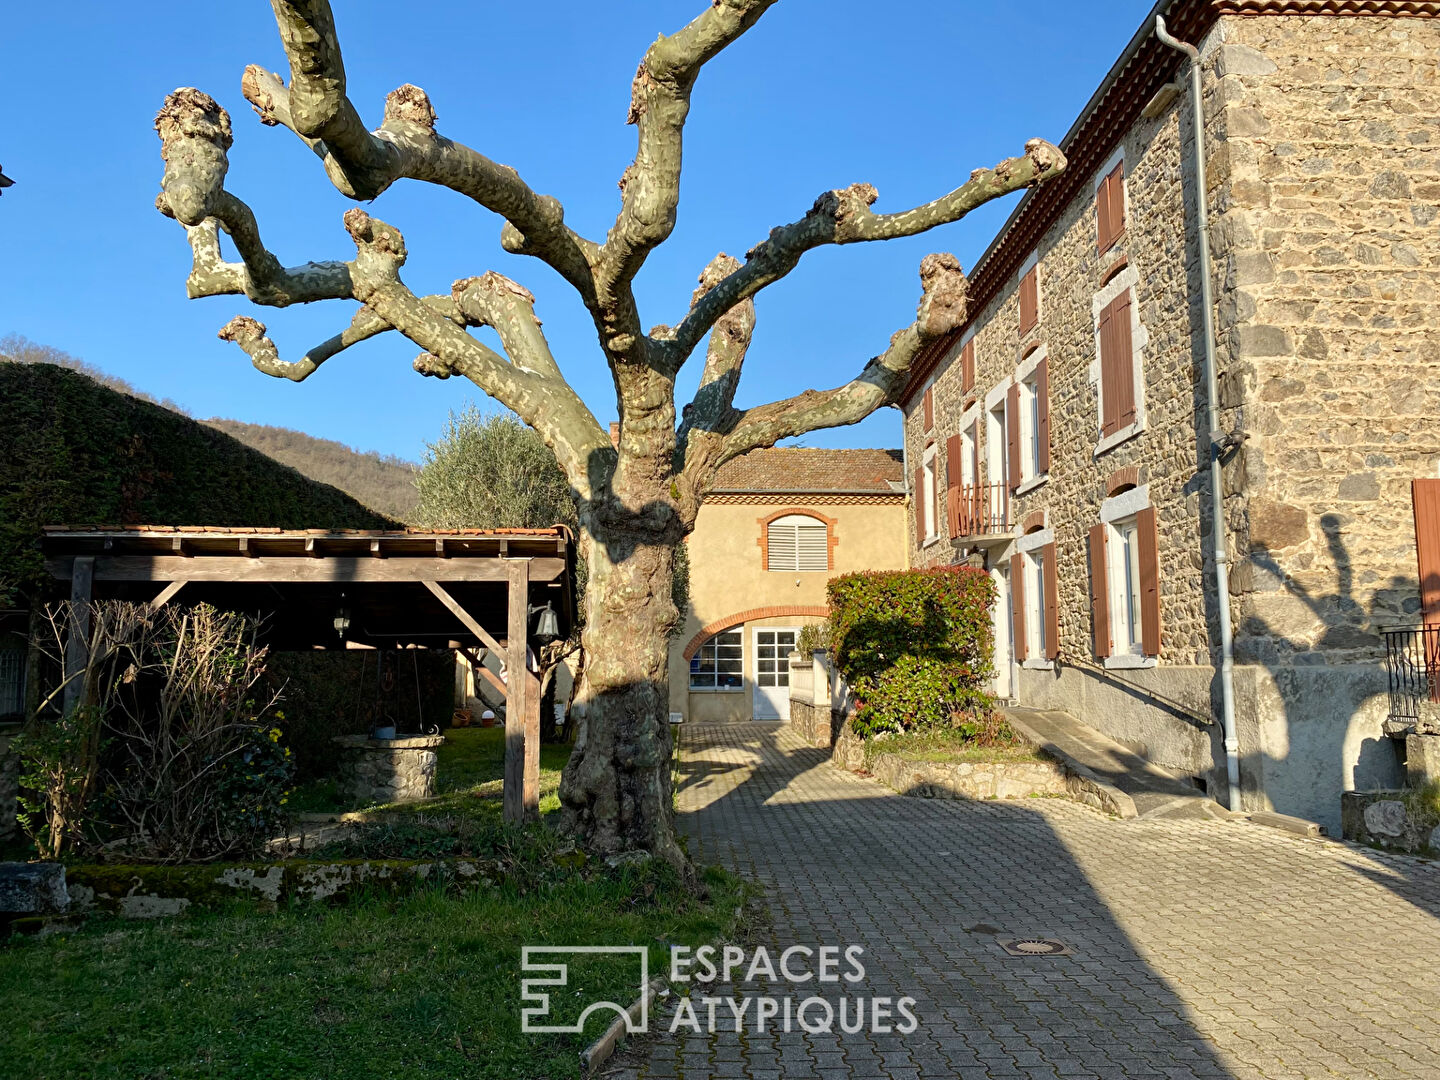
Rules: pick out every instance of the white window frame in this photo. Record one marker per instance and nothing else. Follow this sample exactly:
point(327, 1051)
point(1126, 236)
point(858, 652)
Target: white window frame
point(791, 520)
point(714, 642)
point(1118, 514)
point(928, 493)
point(1025, 377)
point(1125, 281)
point(997, 431)
point(1031, 549)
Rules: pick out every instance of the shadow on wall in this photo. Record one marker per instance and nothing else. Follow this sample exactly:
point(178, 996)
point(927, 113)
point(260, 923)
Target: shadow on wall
point(1319, 732)
point(923, 887)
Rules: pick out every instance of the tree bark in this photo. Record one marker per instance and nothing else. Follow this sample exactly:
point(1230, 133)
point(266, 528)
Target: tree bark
point(616, 789)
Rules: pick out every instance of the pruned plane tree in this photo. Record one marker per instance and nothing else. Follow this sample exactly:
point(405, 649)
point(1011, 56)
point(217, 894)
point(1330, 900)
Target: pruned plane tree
point(637, 500)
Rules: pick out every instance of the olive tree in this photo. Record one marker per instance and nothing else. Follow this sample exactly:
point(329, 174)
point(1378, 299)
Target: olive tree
point(635, 500)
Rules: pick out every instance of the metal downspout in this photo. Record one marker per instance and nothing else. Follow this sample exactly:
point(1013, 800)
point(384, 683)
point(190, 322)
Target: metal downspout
point(1214, 438)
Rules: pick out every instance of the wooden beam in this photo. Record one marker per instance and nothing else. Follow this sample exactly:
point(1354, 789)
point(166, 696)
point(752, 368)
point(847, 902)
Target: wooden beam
point(471, 623)
point(375, 552)
point(440, 552)
point(166, 595)
point(294, 569)
point(77, 642)
point(521, 794)
point(310, 547)
point(177, 546)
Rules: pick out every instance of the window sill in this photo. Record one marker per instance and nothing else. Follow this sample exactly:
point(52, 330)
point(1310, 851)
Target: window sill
point(1129, 662)
point(1038, 665)
point(717, 689)
point(930, 541)
point(1033, 483)
point(1109, 442)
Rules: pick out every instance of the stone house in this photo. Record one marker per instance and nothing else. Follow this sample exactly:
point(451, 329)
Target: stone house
point(1063, 438)
point(775, 527)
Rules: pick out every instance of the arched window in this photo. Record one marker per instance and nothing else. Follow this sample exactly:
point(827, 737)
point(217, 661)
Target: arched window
point(797, 542)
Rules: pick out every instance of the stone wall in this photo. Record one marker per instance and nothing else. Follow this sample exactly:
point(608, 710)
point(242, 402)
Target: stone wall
point(813, 723)
point(387, 770)
point(9, 786)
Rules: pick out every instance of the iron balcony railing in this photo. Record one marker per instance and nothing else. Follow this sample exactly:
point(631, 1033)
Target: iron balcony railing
point(1412, 660)
point(980, 510)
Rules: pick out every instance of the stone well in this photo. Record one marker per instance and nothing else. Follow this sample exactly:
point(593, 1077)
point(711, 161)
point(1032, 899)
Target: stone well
point(387, 770)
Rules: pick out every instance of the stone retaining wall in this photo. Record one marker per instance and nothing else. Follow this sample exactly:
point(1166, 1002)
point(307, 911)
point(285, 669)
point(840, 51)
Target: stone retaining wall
point(1390, 819)
point(951, 780)
point(813, 723)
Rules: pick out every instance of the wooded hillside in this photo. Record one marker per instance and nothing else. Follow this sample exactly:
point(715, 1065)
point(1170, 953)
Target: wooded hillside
point(75, 452)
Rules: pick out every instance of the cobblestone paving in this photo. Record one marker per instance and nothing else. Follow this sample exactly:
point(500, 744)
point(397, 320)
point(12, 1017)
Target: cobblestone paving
point(1201, 948)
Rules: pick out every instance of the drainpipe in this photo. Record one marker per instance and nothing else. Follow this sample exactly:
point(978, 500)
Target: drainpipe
point(1216, 438)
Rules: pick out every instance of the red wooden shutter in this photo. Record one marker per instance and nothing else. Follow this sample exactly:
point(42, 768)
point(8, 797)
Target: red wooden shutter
point(952, 484)
point(1017, 603)
point(1052, 605)
point(1148, 536)
point(1029, 301)
point(919, 506)
point(929, 408)
point(1116, 192)
point(1117, 366)
point(1100, 592)
point(1012, 434)
point(1042, 395)
point(967, 367)
point(1425, 497)
point(1110, 209)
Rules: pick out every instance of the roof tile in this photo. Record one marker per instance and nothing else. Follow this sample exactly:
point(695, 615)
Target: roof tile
point(807, 469)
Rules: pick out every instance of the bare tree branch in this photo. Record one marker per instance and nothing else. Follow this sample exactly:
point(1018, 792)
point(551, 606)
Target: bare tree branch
point(844, 217)
point(362, 164)
point(494, 300)
point(942, 308)
point(659, 104)
point(194, 140)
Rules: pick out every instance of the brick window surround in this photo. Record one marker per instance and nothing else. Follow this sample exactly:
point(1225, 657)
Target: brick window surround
point(729, 622)
point(831, 537)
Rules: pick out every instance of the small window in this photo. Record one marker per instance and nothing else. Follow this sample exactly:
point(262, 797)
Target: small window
point(929, 408)
point(12, 682)
point(1117, 365)
point(927, 495)
point(1110, 208)
point(1125, 594)
point(1029, 300)
point(720, 663)
point(796, 542)
point(967, 367)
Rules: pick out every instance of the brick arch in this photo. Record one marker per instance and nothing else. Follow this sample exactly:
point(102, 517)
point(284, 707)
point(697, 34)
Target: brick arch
point(831, 537)
point(729, 622)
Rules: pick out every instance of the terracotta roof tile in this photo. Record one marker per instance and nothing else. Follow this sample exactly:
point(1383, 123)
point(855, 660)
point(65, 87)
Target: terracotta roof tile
point(806, 469)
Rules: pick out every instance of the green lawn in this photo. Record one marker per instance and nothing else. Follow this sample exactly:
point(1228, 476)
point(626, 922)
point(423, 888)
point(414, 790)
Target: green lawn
point(425, 986)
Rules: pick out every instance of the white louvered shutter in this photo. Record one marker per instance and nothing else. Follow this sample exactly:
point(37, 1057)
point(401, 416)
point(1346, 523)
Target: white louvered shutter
point(797, 542)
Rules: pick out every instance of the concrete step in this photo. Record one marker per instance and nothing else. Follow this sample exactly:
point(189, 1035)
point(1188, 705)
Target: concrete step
point(1107, 775)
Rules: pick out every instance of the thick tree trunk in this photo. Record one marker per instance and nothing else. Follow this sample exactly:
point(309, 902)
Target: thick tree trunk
point(616, 788)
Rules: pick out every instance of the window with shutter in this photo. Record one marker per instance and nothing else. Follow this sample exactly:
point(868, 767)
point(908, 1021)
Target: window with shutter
point(954, 455)
point(929, 407)
point(1017, 604)
point(967, 367)
point(1012, 437)
point(1110, 208)
point(796, 542)
point(1029, 301)
point(1100, 592)
point(1117, 366)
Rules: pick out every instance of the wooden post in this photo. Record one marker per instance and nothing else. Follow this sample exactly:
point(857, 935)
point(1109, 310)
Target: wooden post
point(520, 791)
point(77, 641)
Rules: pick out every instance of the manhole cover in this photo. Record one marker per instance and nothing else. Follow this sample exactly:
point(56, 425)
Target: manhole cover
point(1034, 946)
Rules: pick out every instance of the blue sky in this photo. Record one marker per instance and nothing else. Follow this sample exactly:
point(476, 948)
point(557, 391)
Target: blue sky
point(909, 96)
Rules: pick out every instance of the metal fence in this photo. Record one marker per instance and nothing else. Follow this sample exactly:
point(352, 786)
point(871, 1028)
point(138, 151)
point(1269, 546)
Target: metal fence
point(1412, 661)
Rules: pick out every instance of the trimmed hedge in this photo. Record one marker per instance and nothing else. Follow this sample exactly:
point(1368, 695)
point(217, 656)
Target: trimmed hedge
point(916, 646)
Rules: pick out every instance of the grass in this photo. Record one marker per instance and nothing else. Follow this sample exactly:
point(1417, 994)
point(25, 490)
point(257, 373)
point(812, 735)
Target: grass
point(421, 987)
point(953, 745)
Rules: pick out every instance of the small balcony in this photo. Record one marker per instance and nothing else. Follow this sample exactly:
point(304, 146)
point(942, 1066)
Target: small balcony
point(1412, 661)
point(980, 510)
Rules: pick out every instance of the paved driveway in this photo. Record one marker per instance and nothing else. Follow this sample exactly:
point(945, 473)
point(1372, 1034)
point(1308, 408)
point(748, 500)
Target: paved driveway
point(1200, 949)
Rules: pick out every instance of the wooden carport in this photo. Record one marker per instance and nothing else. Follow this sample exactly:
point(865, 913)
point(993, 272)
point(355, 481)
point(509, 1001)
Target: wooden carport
point(463, 589)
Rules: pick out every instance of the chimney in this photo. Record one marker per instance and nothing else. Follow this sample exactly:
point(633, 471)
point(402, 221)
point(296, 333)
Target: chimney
point(615, 434)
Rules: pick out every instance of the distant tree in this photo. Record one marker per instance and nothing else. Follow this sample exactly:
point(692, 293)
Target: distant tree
point(490, 471)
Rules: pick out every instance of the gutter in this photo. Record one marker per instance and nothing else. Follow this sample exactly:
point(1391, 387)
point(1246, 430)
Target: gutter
point(1218, 440)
